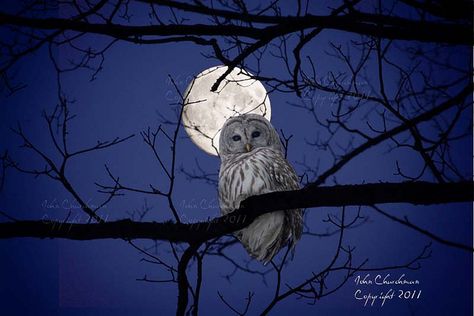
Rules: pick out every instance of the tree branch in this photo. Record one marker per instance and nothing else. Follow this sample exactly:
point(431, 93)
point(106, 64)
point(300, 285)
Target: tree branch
point(419, 193)
point(378, 25)
point(425, 116)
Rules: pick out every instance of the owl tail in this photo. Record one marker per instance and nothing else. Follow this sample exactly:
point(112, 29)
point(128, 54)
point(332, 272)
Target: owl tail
point(262, 254)
point(264, 237)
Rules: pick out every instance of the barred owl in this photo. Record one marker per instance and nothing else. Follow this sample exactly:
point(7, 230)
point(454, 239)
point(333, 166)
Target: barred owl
point(252, 163)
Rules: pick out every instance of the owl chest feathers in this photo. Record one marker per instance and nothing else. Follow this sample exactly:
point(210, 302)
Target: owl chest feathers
point(246, 175)
point(260, 171)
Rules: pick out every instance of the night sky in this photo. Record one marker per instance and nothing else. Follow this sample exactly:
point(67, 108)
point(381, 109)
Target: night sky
point(133, 92)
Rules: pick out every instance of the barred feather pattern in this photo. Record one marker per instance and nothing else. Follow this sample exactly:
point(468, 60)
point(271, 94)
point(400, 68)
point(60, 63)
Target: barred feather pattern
point(260, 171)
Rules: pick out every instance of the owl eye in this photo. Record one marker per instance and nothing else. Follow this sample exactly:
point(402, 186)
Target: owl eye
point(255, 134)
point(236, 138)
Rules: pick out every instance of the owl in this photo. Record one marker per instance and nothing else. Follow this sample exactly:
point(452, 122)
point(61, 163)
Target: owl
point(252, 163)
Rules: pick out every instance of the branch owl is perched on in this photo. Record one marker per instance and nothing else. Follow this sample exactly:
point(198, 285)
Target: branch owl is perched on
point(252, 163)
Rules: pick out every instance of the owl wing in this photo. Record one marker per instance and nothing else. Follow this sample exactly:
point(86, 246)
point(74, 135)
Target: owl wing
point(284, 178)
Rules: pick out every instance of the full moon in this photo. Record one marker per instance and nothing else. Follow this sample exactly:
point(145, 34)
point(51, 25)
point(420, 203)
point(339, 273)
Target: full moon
point(205, 111)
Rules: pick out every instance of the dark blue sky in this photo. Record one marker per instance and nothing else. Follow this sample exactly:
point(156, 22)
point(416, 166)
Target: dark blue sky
point(62, 277)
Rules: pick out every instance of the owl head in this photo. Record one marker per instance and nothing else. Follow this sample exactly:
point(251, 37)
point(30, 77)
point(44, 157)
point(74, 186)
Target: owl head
point(247, 132)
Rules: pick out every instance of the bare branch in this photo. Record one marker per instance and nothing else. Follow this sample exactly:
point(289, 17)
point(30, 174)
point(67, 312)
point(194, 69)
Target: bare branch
point(419, 193)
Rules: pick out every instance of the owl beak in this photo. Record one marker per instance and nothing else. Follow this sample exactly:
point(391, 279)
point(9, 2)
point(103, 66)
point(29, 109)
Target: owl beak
point(248, 147)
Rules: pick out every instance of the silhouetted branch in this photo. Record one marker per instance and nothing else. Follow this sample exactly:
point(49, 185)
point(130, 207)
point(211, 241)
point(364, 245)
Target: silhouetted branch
point(425, 232)
point(57, 171)
point(389, 27)
point(459, 98)
point(419, 193)
point(233, 309)
point(183, 284)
